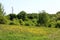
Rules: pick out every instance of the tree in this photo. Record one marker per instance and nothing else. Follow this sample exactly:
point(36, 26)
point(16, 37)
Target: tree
point(1, 10)
point(43, 19)
point(57, 25)
point(2, 19)
point(22, 15)
point(58, 12)
point(12, 16)
point(58, 15)
point(32, 16)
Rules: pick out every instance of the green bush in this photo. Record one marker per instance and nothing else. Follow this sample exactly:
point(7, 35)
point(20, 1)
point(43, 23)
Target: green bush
point(3, 20)
point(57, 24)
point(12, 16)
point(34, 21)
point(21, 22)
point(29, 23)
point(14, 22)
point(52, 24)
point(49, 25)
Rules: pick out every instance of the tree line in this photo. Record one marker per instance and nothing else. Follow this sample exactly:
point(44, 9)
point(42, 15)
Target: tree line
point(41, 19)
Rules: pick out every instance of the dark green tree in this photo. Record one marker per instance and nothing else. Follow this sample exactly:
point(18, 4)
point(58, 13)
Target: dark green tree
point(43, 18)
point(2, 19)
point(58, 15)
point(22, 15)
point(30, 16)
point(1, 10)
point(12, 16)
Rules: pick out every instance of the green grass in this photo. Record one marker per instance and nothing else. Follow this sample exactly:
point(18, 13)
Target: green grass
point(14, 32)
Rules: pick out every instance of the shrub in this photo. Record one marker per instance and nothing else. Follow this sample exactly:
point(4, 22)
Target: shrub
point(21, 22)
point(14, 22)
point(49, 25)
point(3, 20)
point(34, 21)
point(12, 16)
point(29, 23)
point(57, 24)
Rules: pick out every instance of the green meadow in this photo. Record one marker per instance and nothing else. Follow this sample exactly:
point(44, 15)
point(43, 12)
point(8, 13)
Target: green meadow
point(29, 26)
point(14, 32)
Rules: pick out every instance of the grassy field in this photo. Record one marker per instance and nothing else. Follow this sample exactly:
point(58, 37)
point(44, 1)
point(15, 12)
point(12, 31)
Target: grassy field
point(14, 32)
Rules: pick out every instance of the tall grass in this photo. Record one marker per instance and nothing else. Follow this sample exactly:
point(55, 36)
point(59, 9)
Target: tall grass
point(14, 32)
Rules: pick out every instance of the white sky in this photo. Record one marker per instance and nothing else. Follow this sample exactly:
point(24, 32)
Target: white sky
point(50, 6)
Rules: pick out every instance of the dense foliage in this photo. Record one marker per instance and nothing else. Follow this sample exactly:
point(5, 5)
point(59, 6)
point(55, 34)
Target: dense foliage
point(30, 19)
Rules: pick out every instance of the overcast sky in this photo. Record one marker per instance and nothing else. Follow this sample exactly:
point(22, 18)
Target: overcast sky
point(50, 6)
